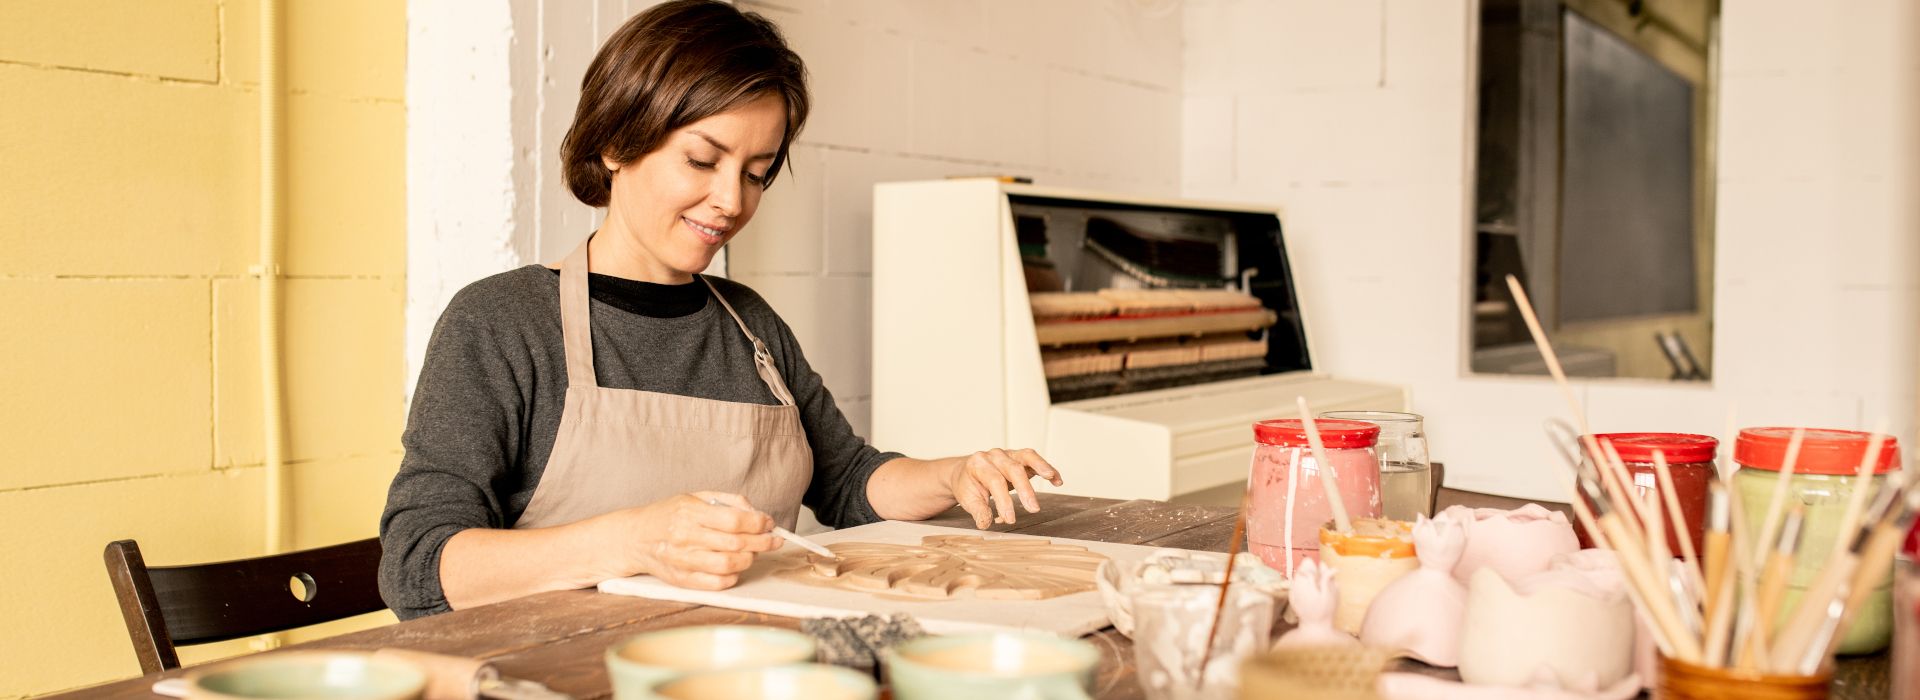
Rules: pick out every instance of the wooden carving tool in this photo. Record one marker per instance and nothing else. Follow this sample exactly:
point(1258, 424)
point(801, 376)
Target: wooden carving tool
point(1862, 484)
point(786, 534)
point(1220, 607)
point(1325, 468)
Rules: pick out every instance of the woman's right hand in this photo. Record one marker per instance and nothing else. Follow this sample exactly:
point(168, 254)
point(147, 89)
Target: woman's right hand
point(687, 542)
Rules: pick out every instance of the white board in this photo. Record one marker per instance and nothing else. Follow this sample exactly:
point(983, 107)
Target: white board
point(1068, 615)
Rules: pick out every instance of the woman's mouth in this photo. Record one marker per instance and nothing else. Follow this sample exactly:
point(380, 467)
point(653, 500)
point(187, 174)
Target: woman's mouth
point(708, 234)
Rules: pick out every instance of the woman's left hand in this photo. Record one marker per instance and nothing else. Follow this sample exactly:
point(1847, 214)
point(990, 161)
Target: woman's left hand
point(982, 483)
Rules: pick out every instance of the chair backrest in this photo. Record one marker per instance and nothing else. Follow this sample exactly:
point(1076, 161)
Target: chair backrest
point(168, 605)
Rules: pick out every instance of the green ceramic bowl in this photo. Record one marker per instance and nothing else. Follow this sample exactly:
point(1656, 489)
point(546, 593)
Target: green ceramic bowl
point(996, 665)
point(638, 664)
point(308, 675)
point(792, 682)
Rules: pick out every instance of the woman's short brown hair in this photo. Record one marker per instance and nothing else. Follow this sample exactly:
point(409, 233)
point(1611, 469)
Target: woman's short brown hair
point(672, 65)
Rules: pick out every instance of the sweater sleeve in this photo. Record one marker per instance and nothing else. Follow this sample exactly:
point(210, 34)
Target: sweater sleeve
point(842, 460)
point(463, 435)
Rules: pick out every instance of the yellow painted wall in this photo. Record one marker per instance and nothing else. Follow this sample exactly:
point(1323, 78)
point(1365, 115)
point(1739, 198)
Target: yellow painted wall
point(129, 390)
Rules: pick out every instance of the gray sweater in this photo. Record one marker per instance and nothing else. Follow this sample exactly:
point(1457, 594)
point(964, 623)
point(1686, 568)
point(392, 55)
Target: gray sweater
point(490, 395)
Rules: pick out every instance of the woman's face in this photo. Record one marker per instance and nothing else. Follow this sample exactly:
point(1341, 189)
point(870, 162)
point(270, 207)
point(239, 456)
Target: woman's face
point(672, 209)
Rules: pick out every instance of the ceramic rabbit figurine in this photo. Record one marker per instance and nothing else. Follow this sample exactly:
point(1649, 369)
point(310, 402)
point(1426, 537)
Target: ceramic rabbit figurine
point(1314, 599)
point(1514, 543)
point(1420, 613)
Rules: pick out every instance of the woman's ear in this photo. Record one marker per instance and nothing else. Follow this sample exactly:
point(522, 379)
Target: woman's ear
point(610, 163)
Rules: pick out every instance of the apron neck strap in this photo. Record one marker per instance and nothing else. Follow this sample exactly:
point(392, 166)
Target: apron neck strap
point(576, 328)
point(762, 360)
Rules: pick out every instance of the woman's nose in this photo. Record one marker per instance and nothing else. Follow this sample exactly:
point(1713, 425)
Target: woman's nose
point(725, 198)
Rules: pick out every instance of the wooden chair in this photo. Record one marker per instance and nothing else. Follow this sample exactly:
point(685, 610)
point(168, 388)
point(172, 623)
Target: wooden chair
point(166, 606)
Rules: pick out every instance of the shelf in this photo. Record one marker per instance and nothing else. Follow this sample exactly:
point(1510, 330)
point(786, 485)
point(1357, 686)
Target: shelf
point(1075, 332)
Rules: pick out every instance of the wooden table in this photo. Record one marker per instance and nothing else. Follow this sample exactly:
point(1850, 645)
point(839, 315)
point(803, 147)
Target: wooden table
point(559, 638)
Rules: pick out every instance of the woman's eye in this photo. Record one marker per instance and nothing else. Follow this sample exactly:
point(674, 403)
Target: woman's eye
point(756, 179)
point(700, 164)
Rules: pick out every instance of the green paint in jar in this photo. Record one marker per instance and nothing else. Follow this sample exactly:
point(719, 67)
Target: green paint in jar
point(1824, 478)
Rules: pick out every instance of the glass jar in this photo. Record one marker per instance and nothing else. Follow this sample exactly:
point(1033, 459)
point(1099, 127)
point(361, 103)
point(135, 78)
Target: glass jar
point(1823, 480)
point(1406, 481)
point(1287, 505)
point(1689, 459)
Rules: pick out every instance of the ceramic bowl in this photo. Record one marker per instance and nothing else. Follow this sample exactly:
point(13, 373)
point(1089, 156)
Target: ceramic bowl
point(1552, 629)
point(302, 675)
point(791, 682)
point(1118, 582)
point(639, 663)
point(1514, 543)
point(991, 665)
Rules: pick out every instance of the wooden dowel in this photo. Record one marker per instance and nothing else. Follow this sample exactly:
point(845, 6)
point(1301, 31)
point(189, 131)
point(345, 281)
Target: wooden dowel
point(1862, 485)
point(1657, 603)
point(1683, 530)
point(1325, 468)
point(1777, 505)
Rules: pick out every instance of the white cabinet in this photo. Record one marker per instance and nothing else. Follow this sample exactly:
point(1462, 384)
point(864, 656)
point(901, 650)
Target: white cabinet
point(957, 360)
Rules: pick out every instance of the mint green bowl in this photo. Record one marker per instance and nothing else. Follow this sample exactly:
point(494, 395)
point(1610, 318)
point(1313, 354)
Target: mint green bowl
point(790, 682)
point(308, 675)
point(641, 662)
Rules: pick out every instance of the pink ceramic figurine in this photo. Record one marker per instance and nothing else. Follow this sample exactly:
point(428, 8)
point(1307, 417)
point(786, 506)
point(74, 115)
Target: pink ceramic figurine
point(1314, 599)
point(1419, 614)
point(1514, 543)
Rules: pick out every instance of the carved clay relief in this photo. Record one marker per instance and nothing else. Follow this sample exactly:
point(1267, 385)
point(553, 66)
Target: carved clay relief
point(944, 565)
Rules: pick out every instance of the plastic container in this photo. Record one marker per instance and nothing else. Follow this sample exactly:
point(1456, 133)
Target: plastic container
point(1680, 680)
point(1288, 505)
point(1689, 459)
point(1823, 480)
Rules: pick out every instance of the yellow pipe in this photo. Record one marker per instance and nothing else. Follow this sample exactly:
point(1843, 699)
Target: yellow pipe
point(268, 269)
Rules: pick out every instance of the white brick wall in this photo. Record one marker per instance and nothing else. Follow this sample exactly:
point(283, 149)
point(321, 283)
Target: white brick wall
point(1078, 93)
point(1355, 118)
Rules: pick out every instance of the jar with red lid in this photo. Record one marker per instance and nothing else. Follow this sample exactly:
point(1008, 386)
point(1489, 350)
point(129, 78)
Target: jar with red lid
point(1824, 478)
point(1287, 505)
point(1690, 461)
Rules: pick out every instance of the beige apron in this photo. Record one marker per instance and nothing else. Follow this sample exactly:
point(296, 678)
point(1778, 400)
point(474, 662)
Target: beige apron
point(621, 448)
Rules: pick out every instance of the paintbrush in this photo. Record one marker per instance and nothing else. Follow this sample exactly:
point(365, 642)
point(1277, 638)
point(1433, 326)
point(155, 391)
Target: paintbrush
point(1889, 532)
point(1642, 582)
point(1220, 606)
point(1716, 544)
point(1773, 586)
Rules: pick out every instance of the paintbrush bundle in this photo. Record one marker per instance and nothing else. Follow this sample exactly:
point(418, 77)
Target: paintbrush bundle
point(1714, 642)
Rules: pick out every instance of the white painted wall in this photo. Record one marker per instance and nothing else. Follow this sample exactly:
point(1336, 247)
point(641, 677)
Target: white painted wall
point(1354, 117)
point(1357, 119)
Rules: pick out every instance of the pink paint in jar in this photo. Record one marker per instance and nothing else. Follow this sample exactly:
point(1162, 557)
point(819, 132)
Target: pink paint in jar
point(1287, 505)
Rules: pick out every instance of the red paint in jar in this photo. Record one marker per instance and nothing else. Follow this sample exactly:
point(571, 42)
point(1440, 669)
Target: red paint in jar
point(1287, 505)
point(1690, 460)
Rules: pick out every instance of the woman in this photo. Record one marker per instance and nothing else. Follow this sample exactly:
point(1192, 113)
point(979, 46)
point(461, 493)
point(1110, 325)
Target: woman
point(619, 414)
